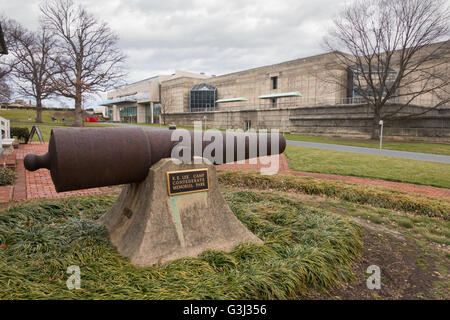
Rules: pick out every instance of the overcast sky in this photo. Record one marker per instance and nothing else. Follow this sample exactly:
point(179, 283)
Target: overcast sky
point(215, 37)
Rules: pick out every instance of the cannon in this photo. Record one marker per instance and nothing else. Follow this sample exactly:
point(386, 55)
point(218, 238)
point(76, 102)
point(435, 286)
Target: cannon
point(167, 209)
point(81, 158)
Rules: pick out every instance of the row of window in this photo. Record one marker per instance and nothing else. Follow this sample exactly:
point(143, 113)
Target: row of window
point(202, 98)
point(128, 114)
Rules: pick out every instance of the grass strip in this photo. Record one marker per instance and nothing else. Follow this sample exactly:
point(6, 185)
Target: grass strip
point(369, 166)
point(412, 146)
point(375, 196)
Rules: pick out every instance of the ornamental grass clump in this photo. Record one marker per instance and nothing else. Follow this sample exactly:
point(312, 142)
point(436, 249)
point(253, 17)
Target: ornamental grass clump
point(375, 196)
point(303, 249)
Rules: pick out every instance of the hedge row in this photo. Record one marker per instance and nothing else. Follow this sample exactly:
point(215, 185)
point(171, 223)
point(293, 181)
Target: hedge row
point(21, 133)
point(375, 196)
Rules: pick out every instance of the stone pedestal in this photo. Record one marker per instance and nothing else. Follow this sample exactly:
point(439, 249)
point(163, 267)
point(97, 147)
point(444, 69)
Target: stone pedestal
point(149, 226)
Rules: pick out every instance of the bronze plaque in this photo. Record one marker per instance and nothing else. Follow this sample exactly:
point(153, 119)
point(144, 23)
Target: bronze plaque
point(187, 181)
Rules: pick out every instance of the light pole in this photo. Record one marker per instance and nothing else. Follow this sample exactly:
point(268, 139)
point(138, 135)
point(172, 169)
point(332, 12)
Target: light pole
point(381, 133)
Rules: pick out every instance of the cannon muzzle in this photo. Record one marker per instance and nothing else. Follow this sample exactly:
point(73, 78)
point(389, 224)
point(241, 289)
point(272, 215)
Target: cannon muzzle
point(81, 158)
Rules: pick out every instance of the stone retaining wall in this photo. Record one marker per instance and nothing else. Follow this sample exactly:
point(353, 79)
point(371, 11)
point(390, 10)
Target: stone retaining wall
point(338, 120)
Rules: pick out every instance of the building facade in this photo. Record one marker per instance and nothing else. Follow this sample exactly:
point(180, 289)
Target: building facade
point(140, 102)
point(300, 82)
point(311, 92)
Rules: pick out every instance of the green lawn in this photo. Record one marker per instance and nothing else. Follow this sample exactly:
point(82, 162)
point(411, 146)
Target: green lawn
point(371, 166)
point(425, 147)
point(22, 115)
point(46, 128)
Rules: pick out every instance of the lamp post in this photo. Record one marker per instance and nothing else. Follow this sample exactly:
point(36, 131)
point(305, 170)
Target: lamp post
point(381, 133)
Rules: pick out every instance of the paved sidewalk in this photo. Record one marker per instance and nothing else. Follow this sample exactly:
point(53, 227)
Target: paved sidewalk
point(336, 147)
point(383, 152)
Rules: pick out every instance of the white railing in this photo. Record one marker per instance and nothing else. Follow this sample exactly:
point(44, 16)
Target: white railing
point(5, 128)
point(314, 101)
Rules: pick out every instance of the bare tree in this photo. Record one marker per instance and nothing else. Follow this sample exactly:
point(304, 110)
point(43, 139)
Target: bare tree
point(31, 63)
point(392, 53)
point(166, 102)
point(88, 57)
point(5, 91)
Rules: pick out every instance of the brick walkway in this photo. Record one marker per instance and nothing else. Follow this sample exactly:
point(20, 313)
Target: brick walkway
point(38, 184)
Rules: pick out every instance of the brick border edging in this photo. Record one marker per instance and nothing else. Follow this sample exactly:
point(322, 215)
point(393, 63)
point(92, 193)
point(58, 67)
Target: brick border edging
point(394, 185)
point(20, 186)
point(10, 161)
point(6, 193)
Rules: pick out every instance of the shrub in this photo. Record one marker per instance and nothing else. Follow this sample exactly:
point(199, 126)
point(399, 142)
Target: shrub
point(20, 133)
point(7, 176)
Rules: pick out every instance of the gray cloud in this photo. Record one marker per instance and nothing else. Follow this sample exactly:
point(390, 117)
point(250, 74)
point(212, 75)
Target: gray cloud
point(214, 37)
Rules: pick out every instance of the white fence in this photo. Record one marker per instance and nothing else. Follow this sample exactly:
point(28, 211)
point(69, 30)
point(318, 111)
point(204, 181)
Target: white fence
point(5, 132)
point(5, 128)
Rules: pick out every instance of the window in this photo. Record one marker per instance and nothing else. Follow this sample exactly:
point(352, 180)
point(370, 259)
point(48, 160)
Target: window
point(202, 97)
point(156, 113)
point(358, 89)
point(274, 102)
point(128, 114)
point(248, 125)
point(274, 82)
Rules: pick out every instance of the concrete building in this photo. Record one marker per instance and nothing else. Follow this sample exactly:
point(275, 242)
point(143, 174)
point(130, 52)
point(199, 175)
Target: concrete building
point(140, 102)
point(294, 83)
point(312, 95)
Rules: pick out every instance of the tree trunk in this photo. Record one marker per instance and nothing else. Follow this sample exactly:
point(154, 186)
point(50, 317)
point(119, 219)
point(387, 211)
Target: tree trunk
point(78, 113)
point(376, 126)
point(38, 110)
point(78, 95)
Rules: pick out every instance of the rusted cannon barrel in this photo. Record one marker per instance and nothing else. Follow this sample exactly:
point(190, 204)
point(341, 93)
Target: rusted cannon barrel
point(81, 158)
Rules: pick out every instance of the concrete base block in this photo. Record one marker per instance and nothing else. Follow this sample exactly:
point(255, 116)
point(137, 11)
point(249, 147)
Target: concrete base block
point(150, 227)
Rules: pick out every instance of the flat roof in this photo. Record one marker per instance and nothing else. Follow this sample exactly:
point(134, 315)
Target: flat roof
point(278, 63)
point(118, 100)
point(140, 81)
